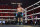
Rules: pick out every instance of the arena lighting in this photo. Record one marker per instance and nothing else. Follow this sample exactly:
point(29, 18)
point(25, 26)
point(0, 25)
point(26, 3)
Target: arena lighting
point(16, 3)
point(34, 4)
point(7, 9)
point(33, 8)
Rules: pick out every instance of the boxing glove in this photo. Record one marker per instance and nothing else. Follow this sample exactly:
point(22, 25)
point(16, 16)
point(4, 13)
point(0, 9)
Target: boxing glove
point(16, 14)
point(22, 14)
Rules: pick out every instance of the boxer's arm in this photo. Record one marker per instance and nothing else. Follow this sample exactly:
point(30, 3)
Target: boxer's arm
point(17, 10)
point(23, 10)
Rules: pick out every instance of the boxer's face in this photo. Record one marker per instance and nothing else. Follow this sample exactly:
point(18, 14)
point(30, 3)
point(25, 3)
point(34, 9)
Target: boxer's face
point(19, 5)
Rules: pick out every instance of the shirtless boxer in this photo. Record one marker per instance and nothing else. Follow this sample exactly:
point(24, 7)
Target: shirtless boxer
point(19, 13)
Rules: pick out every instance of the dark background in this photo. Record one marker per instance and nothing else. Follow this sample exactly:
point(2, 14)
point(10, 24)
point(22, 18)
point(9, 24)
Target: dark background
point(26, 3)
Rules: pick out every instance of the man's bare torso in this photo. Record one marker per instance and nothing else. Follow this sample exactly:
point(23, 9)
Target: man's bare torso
point(19, 9)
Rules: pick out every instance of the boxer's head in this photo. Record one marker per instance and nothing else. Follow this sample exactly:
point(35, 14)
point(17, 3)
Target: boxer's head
point(19, 5)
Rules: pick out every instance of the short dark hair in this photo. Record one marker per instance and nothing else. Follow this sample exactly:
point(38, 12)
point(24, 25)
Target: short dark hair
point(20, 5)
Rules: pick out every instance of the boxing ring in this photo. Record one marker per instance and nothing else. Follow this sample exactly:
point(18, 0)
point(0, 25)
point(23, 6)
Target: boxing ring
point(24, 12)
